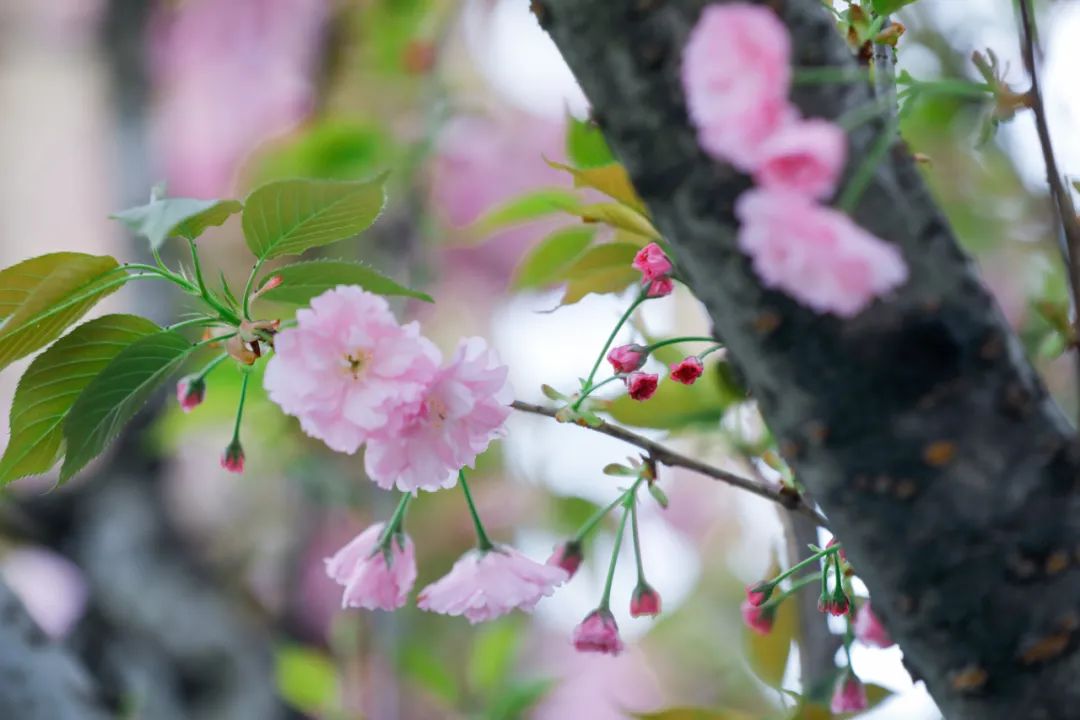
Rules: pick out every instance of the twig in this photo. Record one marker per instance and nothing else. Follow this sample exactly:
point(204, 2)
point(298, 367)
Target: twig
point(669, 457)
point(1062, 199)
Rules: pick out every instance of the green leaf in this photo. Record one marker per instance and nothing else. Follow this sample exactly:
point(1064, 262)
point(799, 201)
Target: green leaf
point(520, 697)
point(544, 263)
point(52, 383)
point(659, 496)
point(585, 144)
point(618, 216)
point(306, 678)
point(619, 470)
point(526, 208)
point(768, 654)
point(425, 668)
point(160, 220)
point(885, 7)
point(304, 280)
point(612, 180)
point(112, 398)
point(48, 293)
point(608, 256)
point(291, 216)
point(493, 652)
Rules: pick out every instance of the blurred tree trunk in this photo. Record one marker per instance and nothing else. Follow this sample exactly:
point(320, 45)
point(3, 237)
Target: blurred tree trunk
point(947, 471)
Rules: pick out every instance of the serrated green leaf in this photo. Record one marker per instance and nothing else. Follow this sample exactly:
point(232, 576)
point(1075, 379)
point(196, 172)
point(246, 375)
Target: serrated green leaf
point(160, 220)
point(51, 301)
point(52, 383)
point(523, 209)
point(585, 144)
point(304, 280)
point(619, 216)
point(112, 398)
point(291, 216)
point(493, 652)
point(553, 254)
point(612, 180)
point(306, 678)
point(768, 654)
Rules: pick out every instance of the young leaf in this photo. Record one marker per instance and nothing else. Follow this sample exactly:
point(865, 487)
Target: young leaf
point(306, 679)
point(553, 254)
point(600, 269)
point(612, 180)
point(160, 220)
point(618, 216)
point(291, 216)
point(885, 7)
point(52, 383)
point(47, 294)
point(304, 280)
point(585, 144)
point(112, 398)
point(532, 206)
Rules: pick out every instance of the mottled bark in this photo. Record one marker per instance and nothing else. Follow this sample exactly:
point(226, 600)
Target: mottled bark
point(919, 426)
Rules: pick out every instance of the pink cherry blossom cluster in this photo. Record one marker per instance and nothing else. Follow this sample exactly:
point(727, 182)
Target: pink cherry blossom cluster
point(737, 76)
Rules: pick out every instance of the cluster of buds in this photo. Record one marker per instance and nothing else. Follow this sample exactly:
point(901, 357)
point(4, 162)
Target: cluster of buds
point(656, 271)
point(863, 29)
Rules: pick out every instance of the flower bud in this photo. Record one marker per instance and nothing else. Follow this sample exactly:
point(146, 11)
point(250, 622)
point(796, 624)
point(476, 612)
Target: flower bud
point(661, 287)
point(687, 370)
point(837, 605)
point(757, 595)
point(190, 392)
point(758, 618)
point(849, 695)
point(568, 556)
point(233, 457)
point(627, 358)
point(653, 262)
point(598, 632)
point(645, 601)
point(641, 385)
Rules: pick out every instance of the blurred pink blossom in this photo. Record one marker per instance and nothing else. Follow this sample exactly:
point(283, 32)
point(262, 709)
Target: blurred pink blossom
point(815, 254)
point(869, 630)
point(372, 580)
point(50, 586)
point(598, 687)
point(805, 157)
point(228, 76)
point(486, 585)
point(849, 695)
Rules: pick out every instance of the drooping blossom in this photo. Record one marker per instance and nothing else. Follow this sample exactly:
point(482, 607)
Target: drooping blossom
point(758, 595)
point(736, 73)
point(598, 632)
point(232, 459)
point(642, 386)
point(849, 695)
point(373, 580)
point(815, 254)
point(455, 419)
point(804, 157)
point(687, 370)
point(644, 601)
point(190, 392)
point(837, 605)
point(758, 618)
point(567, 556)
point(348, 367)
point(486, 585)
point(869, 630)
point(660, 287)
point(652, 262)
point(627, 358)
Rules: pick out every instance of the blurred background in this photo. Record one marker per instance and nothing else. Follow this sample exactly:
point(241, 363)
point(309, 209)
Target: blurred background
point(193, 593)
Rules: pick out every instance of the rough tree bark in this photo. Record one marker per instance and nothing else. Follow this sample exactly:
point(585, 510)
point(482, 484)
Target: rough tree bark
point(943, 465)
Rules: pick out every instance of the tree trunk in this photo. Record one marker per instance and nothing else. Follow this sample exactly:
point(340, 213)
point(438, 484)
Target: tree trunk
point(918, 425)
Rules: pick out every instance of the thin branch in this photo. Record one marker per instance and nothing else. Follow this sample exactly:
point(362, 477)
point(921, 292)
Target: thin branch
point(669, 457)
point(1062, 198)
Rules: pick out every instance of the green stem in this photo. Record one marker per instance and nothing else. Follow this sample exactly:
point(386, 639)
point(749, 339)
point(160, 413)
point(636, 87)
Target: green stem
point(795, 587)
point(863, 114)
point(396, 520)
point(664, 343)
point(211, 341)
point(206, 320)
point(605, 601)
point(637, 540)
point(710, 351)
point(865, 172)
point(596, 517)
point(807, 562)
point(211, 365)
point(603, 352)
point(240, 407)
point(248, 285)
point(826, 75)
point(482, 540)
point(594, 388)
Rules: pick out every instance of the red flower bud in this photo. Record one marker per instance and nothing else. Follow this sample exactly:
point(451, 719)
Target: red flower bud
point(627, 358)
point(759, 619)
point(758, 594)
point(568, 556)
point(598, 632)
point(687, 370)
point(645, 601)
point(190, 392)
point(642, 386)
point(233, 457)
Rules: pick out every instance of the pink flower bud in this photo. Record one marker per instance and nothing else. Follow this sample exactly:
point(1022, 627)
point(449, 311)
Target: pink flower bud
point(273, 282)
point(837, 605)
point(642, 386)
point(687, 370)
point(233, 457)
point(627, 358)
point(758, 618)
point(190, 392)
point(645, 601)
point(849, 695)
point(661, 287)
point(598, 632)
point(757, 595)
point(652, 262)
point(567, 556)
point(869, 630)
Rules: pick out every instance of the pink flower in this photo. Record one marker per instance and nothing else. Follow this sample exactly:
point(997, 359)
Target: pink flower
point(190, 392)
point(661, 287)
point(372, 579)
point(454, 420)
point(568, 557)
point(804, 157)
point(736, 73)
point(598, 632)
point(758, 595)
point(837, 605)
point(627, 358)
point(869, 630)
point(644, 601)
point(687, 370)
point(348, 368)
point(486, 585)
point(642, 386)
point(758, 618)
point(849, 695)
point(233, 457)
point(816, 254)
point(652, 262)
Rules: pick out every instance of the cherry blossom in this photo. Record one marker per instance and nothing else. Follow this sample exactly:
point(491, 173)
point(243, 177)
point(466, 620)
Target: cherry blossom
point(372, 579)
